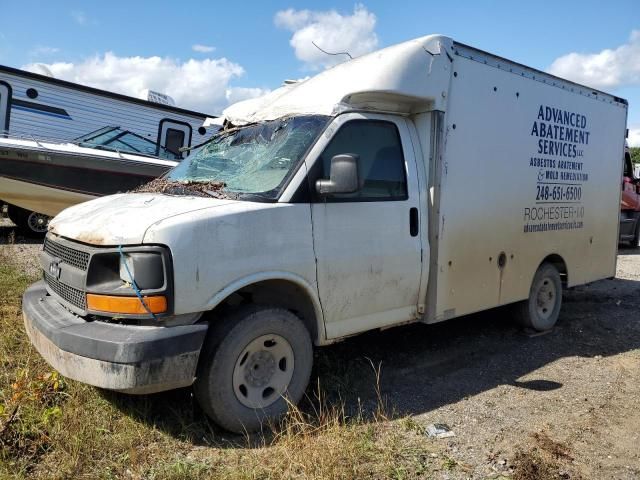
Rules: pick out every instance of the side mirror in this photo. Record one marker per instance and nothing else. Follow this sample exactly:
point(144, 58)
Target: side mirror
point(344, 176)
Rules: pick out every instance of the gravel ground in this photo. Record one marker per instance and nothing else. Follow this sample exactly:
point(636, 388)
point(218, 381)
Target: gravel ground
point(19, 250)
point(565, 404)
point(561, 405)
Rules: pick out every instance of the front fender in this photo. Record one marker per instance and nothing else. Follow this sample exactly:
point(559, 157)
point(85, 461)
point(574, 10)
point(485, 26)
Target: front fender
point(246, 281)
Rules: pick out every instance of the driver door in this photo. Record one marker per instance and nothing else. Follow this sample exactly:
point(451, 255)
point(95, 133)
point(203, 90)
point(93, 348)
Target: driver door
point(367, 244)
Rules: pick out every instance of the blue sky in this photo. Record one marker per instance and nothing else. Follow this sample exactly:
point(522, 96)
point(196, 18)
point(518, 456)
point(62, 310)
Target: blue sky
point(209, 54)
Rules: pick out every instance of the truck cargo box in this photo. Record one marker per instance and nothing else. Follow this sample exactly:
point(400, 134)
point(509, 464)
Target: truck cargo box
point(528, 167)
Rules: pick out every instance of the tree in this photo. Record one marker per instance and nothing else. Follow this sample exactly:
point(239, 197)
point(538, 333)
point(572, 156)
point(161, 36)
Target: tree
point(635, 154)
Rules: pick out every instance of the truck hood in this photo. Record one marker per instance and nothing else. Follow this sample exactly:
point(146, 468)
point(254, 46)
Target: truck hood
point(123, 219)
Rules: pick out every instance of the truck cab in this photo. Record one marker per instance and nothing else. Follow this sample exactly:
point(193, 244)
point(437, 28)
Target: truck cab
point(630, 204)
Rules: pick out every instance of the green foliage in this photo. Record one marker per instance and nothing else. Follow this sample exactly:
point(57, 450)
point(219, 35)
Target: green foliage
point(635, 154)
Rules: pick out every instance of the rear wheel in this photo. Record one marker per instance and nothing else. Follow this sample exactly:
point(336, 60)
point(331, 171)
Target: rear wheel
point(254, 363)
point(541, 310)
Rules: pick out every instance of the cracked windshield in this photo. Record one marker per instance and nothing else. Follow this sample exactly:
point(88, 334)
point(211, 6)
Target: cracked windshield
point(254, 159)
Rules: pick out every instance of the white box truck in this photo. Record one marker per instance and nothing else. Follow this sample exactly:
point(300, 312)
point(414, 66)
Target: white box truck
point(418, 183)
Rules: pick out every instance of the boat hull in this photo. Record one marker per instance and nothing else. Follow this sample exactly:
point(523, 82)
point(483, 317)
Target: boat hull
point(39, 198)
point(48, 181)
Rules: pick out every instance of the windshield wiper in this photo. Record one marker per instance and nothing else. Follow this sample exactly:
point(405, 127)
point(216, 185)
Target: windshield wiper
point(219, 194)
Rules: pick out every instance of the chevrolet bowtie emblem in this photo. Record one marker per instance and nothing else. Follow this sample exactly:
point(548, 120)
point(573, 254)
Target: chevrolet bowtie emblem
point(54, 269)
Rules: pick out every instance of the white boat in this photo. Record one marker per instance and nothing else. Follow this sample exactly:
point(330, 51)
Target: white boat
point(40, 178)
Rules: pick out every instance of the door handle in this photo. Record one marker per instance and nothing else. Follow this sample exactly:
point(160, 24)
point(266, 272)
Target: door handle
point(414, 222)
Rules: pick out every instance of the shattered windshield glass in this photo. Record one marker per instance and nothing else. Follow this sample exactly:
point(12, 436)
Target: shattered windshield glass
point(254, 159)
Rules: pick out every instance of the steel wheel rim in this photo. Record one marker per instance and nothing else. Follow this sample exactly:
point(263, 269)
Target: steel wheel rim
point(263, 371)
point(38, 222)
point(546, 298)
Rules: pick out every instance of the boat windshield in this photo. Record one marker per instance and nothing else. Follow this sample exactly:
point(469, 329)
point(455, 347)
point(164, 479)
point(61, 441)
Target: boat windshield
point(255, 159)
point(116, 139)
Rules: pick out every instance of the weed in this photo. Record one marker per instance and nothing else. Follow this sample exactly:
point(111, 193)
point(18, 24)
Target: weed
point(449, 463)
point(410, 425)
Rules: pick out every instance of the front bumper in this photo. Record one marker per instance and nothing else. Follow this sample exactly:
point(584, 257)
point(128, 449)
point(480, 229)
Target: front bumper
point(125, 358)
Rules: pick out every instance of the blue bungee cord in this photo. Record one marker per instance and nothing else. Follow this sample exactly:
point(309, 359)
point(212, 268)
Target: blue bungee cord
point(134, 285)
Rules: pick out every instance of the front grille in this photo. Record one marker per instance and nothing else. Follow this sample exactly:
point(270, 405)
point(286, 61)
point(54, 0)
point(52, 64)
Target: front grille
point(72, 295)
point(68, 255)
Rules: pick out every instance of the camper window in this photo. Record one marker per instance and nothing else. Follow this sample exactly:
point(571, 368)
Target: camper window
point(175, 140)
point(114, 138)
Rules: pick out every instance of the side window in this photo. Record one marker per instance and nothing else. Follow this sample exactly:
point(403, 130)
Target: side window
point(175, 140)
point(381, 159)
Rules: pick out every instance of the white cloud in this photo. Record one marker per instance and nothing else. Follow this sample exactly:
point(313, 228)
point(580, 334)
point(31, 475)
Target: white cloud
point(202, 48)
point(238, 94)
point(634, 137)
point(200, 85)
point(331, 31)
point(606, 69)
point(79, 17)
point(44, 50)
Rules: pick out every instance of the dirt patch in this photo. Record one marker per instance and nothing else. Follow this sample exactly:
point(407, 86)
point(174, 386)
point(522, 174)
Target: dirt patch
point(547, 459)
point(533, 466)
point(556, 449)
point(200, 189)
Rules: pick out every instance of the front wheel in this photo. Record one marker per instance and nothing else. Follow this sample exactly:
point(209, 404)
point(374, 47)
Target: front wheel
point(541, 310)
point(255, 363)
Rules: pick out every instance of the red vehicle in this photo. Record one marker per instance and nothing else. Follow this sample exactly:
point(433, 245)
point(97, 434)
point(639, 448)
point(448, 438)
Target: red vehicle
point(630, 204)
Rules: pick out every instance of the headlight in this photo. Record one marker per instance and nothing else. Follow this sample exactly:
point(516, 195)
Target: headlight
point(143, 268)
point(112, 274)
point(126, 268)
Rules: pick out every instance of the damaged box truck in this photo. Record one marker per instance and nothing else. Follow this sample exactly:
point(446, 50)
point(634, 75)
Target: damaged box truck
point(419, 183)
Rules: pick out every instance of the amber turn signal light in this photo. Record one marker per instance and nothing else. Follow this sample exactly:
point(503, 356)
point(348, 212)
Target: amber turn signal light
point(126, 305)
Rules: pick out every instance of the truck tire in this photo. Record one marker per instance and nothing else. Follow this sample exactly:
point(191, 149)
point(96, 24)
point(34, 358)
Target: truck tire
point(253, 364)
point(541, 310)
point(32, 224)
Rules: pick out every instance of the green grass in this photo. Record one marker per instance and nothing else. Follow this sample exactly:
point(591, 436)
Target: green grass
point(56, 428)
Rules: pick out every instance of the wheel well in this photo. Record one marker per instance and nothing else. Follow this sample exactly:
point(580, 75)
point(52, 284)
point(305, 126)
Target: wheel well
point(278, 293)
point(558, 262)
